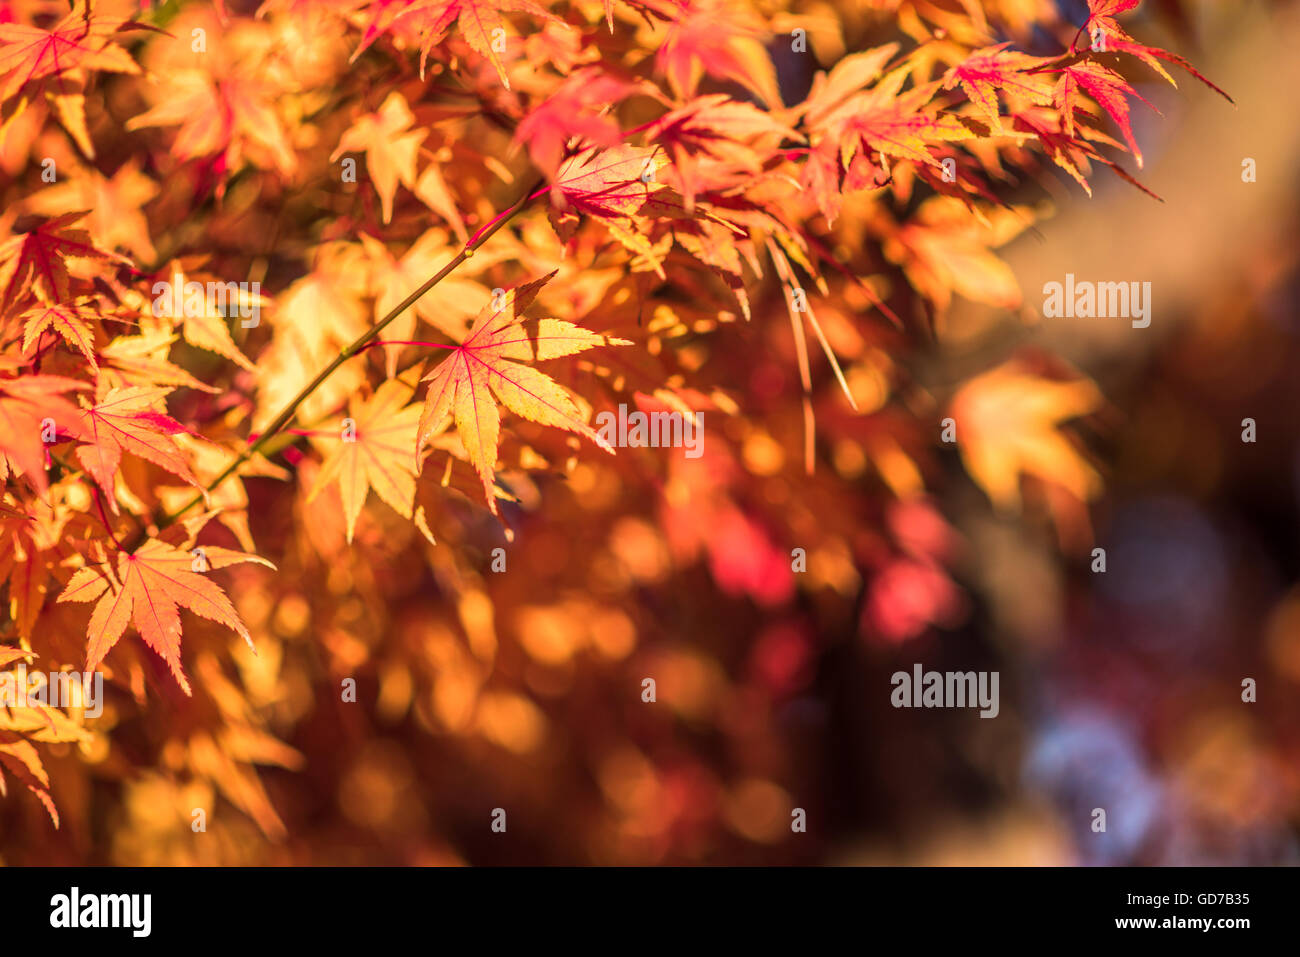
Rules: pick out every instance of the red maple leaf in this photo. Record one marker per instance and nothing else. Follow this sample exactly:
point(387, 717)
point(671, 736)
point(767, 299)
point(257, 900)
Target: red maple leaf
point(34, 264)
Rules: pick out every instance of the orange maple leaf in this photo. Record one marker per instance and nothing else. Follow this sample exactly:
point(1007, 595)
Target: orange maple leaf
point(614, 186)
point(25, 570)
point(148, 590)
point(55, 63)
point(27, 407)
point(116, 218)
point(479, 21)
point(207, 326)
point(891, 122)
point(30, 55)
point(64, 319)
point(233, 116)
point(715, 132)
point(142, 360)
point(850, 75)
point(18, 755)
point(125, 420)
point(487, 362)
point(578, 109)
point(943, 250)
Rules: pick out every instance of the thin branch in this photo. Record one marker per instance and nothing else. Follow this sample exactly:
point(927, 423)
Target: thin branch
point(407, 342)
point(361, 342)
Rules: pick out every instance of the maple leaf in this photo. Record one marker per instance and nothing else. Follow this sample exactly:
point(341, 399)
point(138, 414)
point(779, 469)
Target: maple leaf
point(614, 186)
point(390, 150)
point(1109, 36)
point(20, 757)
point(1072, 153)
point(65, 320)
point(32, 544)
point(993, 70)
point(203, 325)
point(125, 420)
point(849, 76)
point(718, 37)
point(377, 452)
point(25, 575)
point(835, 98)
point(610, 183)
point(944, 249)
point(487, 362)
point(1008, 424)
point(1105, 86)
point(34, 264)
point(432, 190)
point(234, 117)
point(225, 759)
point(115, 219)
point(478, 21)
point(893, 123)
point(27, 552)
point(35, 720)
point(715, 245)
point(31, 55)
point(577, 111)
point(377, 17)
point(480, 24)
point(1111, 8)
point(149, 588)
point(55, 62)
point(719, 131)
point(27, 406)
point(142, 360)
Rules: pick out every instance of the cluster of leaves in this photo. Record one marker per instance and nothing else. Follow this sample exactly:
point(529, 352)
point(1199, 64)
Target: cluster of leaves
point(628, 192)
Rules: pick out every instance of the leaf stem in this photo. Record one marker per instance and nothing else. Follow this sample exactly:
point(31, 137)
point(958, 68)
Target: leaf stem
point(103, 517)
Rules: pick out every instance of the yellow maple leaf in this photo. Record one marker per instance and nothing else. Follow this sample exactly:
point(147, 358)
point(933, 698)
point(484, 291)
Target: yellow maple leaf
point(1008, 424)
point(375, 450)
